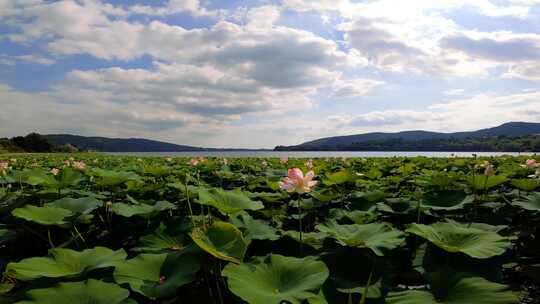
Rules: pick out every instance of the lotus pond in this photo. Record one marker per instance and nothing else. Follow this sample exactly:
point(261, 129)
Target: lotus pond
point(91, 228)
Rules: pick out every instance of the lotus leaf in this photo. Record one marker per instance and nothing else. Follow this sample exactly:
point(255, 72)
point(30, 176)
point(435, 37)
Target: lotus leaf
point(474, 241)
point(375, 236)
point(227, 202)
point(530, 202)
point(276, 278)
point(86, 292)
point(455, 288)
point(65, 262)
point(222, 240)
point(43, 215)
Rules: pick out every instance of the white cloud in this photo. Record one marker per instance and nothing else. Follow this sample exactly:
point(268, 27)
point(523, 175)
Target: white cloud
point(172, 7)
point(454, 92)
point(13, 59)
point(350, 88)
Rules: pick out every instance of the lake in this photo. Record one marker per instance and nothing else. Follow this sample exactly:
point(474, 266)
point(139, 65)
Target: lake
point(315, 154)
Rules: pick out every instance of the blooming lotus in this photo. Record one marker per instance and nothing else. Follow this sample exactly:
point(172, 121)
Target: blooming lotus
point(489, 170)
point(284, 159)
point(530, 164)
point(55, 171)
point(193, 162)
point(79, 165)
point(264, 163)
point(4, 166)
point(297, 182)
point(309, 164)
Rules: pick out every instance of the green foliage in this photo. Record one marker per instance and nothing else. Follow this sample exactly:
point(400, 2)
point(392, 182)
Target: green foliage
point(376, 230)
point(276, 278)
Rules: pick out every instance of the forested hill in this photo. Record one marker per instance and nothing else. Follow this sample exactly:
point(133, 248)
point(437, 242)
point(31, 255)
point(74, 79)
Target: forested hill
point(117, 144)
point(512, 136)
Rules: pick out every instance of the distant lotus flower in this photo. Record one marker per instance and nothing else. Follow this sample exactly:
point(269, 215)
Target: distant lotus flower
point(264, 163)
point(284, 159)
point(55, 171)
point(531, 163)
point(67, 163)
point(193, 162)
point(489, 170)
point(297, 182)
point(309, 164)
point(4, 166)
point(95, 161)
point(79, 165)
point(168, 159)
point(225, 161)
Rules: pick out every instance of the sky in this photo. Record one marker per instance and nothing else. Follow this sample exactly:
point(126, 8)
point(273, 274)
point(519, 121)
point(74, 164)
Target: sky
point(258, 73)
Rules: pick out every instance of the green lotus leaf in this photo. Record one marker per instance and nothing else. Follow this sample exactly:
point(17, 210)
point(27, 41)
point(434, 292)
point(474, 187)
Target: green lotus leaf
point(159, 241)
point(276, 278)
point(6, 235)
point(483, 182)
point(86, 292)
point(38, 177)
point(476, 242)
point(254, 229)
point(340, 177)
point(222, 240)
point(65, 262)
point(313, 239)
point(158, 275)
point(43, 215)
point(356, 216)
point(112, 178)
point(83, 205)
point(400, 205)
point(227, 202)
point(526, 184)
point(144, 210)
point(446, 200)
point(530, 202)
point(455, 288)
point(375, 236)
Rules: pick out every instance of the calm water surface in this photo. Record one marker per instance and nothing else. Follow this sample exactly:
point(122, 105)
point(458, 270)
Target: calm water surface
point(314, 154)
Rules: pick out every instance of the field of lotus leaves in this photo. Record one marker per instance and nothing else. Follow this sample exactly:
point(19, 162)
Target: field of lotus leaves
point(93, 228)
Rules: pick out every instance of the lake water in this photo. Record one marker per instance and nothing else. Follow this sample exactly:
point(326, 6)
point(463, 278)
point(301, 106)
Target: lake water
point(314, 154)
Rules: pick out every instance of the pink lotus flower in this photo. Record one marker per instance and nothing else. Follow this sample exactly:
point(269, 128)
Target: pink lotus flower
point(531, 163)
point(489, 170)
point(284, 159)
point(309, 164)
point(55, 171)
point(193, 162)
point(297, 182)
point(4, 166)
point(67, 163)
point(79, 165)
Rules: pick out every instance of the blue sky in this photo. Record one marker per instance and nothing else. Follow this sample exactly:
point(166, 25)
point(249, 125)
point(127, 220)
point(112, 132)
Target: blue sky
point(264, 73)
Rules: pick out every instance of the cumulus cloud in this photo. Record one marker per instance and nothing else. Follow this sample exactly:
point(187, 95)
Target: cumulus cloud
point(350, 88)
point(13, 59)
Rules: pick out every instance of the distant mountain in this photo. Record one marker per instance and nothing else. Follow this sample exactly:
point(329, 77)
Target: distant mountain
point(481, 140)
point(104, 144)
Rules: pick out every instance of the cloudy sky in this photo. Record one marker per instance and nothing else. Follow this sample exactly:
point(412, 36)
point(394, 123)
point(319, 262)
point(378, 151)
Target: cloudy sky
point(258, 73)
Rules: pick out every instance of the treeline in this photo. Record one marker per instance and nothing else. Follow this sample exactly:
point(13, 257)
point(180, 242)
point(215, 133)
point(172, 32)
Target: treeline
point(529, 143)
point(32, 143)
